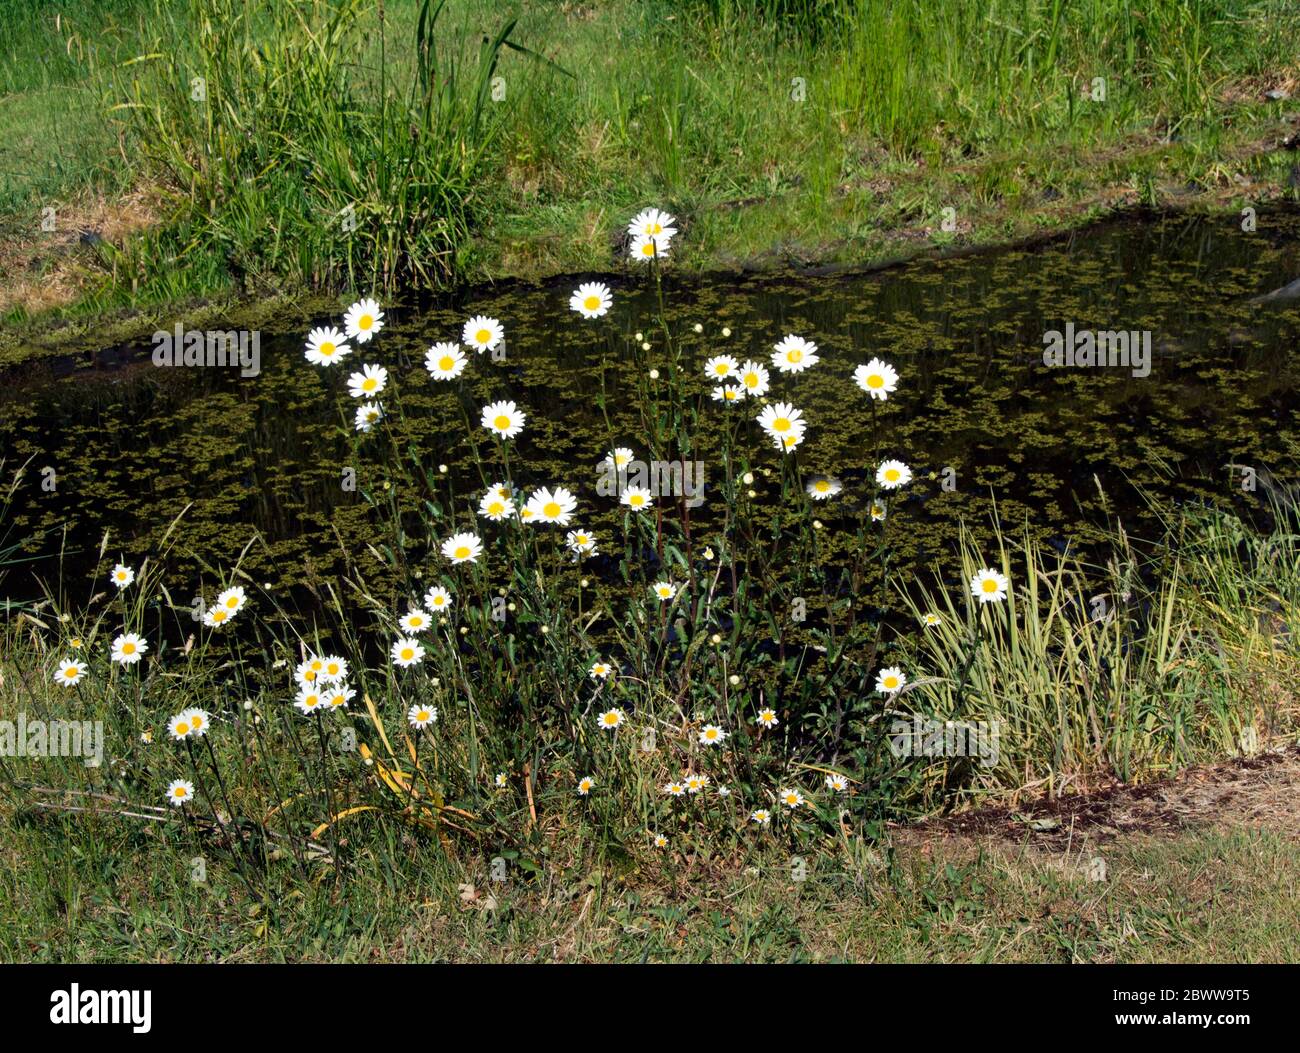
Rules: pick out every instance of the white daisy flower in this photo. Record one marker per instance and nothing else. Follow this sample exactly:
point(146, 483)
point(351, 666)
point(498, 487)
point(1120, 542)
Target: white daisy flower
point(308, 670)
point(180, 791)
point(333, 669)
point(727, 393)
point(712, 735)
point(552, 506)
point(674, 789)
point(989, 586)
point(878, 379)
point(788, 441)
point(128, 648)
point(890, 679)
point(581, 542)
point(780, 419)
point(754, 378)
point(600, 670)
point(893, 474)
point(363, 320)
point(369, 382)
point(325, 346)
point(766, 718)
point(70, 672)
point(504, 419)
point(794, 354)
point(233, 599)
point(462, 548)
point(791, 798)
point(652, 221)
point(198, 720)
point(837, 782)
point(585, 785)
point(445, 361)
point(821, 487)
point(660, 841)
point(878, 511)
point(696, 783)
point(309, 700)
point(495, 506)
point(482, 333)
point(761, 816)
point(611, 719)
point(178, 727)
point(500, 780)
point(619, 458)
point(121, 576)
point(721, 367)
point(406, 652)
point(368, 415)
point(438, 599)
point(929, 619)
point(664, 590)
point(649, 247)
point(415, 620)
point(421, 716)
point(338, 696)
point(637, 498)
point(591, 299)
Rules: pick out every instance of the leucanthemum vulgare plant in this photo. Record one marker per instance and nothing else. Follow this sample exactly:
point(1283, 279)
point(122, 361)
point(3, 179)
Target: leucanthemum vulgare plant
point(635, 649)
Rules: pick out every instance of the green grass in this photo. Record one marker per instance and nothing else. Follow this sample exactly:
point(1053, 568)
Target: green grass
point(778, 132)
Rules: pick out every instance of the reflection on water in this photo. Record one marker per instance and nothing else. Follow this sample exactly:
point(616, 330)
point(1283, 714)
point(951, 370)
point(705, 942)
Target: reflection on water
point(132, 445)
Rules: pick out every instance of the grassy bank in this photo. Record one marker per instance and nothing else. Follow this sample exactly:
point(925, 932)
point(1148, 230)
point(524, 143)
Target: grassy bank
point(354, 146)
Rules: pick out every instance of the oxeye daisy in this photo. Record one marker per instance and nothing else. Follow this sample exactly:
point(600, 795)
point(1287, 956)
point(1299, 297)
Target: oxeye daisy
point(674, 789)
point(890, 679)
point(649, 247)
point(415, 620)
point(822, 487)
point(333, 669)
point(788, 441)
point(665, 590)
point(363, 320)
point(325, 346)
point(198, 720)
point(70, 672)
point(309, 700)
point(406, 652)
point(929, 619)
point(600, 670)
point(369, 382)
point(128, 648)
point(878, 379)
point(553, 506)
point(338, 696)
point(482, 333)
point(791, 798)
point(619, 458)
point(233, 599)
point(837, 782)
point(878, 511)
point(611, 719)
point(462, 548)
point(761, 816)
point(754, 378)
point(712, 735)
point(368, 415)
point(660, 841)
point(180, 791)
point(122, 576)
point(178, 727)
point(794, 354)
point(893, 474)
point(696, 783)
point(585, 785)
point(581, 542)
point(726, 393)
point(504, 419)
point(438, 599)
point(721, 367)
point(591, 299)
point(652, 221)
point(989, 586)
point(308, 671)
point(780, 419)
point(495, 507)
point(421, 716)
point(766, 718)
point(500, 780)
point(637, 498)
point(445, 361)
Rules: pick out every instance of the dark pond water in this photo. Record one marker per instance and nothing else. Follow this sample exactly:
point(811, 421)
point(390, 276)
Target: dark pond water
point(132, 444)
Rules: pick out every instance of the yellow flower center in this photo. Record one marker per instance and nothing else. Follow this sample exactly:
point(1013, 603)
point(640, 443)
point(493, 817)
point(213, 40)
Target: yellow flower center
point(636, 500)
point(990, 585)
point(551, 510)
point(591, 303)
point(795, 356)
point(179, 791)
point(369, 384)
point(502, 422)
point(892, 474)
point(218, 615)
point(446, 362)
point(648, 249)
point(462, 551)
point(233, 602)
point(182, 729)
point(781, 424)
point(483, 336)
point(407, 654)
point(821, 486)
point(891, 682)
point(365, 322)
point(751, 380)
point(128, 648)
point(875, 381)
point(327, 348)
point(198, 723)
